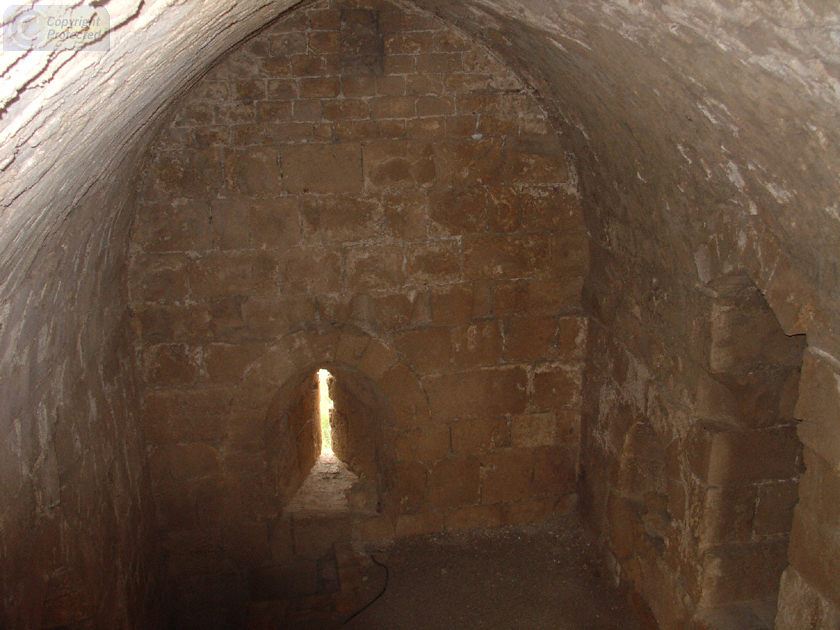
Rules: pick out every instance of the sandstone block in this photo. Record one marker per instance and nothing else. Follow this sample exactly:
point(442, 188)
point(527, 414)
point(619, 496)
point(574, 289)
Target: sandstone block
point(535, 160)
point(433, 262)
point(819, 406)
point(227, 274)
point(453, 483)
point(407, 489)
point(174, 226)
point(418, 524)
point(485, 392)
point(506, 475)
point(555, 386)
point(480, 435)
point(533, 429)
point(255, 171)
point(503, 203)
point(455, 211)
point(423, 444)
point(505, 256)
point(426, 349)
point(311, 270)
point(406, 215)
point(170, 365)
point(473, 517)
point(398, 164)
point(342, 218)
point(405, 396)
point(339, 168)
point(555, 470)
point(374, 267)
point(555, 209)
point(479, 344)
point(460, 163)
point(742, 572)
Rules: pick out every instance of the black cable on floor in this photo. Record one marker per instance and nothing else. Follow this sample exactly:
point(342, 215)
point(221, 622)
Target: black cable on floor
point(371, 602)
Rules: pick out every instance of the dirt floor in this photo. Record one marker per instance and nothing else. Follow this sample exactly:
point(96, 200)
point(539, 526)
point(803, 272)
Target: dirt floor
point(524, 578)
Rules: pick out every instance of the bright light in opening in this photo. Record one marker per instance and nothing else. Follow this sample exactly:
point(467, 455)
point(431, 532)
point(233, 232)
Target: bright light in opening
point(325, 405)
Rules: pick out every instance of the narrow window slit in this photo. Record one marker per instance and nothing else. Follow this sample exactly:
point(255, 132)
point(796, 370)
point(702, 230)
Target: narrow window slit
point(325, 407)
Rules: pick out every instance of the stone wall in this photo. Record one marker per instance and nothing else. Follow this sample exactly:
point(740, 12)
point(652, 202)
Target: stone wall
point(77, 518)
point(362, 189)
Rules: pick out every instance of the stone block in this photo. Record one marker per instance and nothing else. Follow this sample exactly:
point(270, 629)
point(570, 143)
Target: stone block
point(815, 553)
point(556, 209)
point(433, 262)
point(173, 415)
point(275, 223)
point(503, 209)
point(485, 392)
point(457, 211)
point(174, 226)
point(255, 171)
point(531, 339)
point(344, 110)
point(316, 537)
point(377, 359)
point(752, 456)
point(570, 254)
point(396, 310)
point(410, 43)
point(803, 606)
point(246, 544)
point(426, 349)
point(189, 460)
point(819, 490)
point(423, 444)
point(406, 398)
point(741, 572)
point(535, 160)
point(419, 524)
point(230, 223)
point(819, 405)
point(407, 489)
point(479, 344)
point(189, 173)
point(398, 164)
point(227, 274)
point(454, 483)
point(356, 130)
point(531, 510)
point(452, 304)
point(375, 267)
point(480, 435)
point(341, 218)
point(468, 163)
point(384, 107)
point(311, 270)
point(406, 215)
point(270, 318)
point(473, 517)
point(339, 168)
point(170, 364)
point(226, 363)
point(555, 470)
point(320, 87)
point(376, 529)
point(774, 511)
point(556, 385)
point(506, 475)
point(505, 256)
point(533, 429)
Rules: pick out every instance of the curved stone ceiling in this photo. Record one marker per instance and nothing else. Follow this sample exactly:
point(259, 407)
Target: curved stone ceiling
point(684, 116)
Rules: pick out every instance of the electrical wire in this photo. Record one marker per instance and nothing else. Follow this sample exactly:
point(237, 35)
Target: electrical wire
point(371, 602)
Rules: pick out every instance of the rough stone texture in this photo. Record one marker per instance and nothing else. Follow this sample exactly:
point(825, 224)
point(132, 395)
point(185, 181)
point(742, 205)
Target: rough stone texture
point(415, 230)
point(704, 141)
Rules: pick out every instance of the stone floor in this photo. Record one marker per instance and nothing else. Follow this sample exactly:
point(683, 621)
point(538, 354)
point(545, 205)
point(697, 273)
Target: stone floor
point(524, 578)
